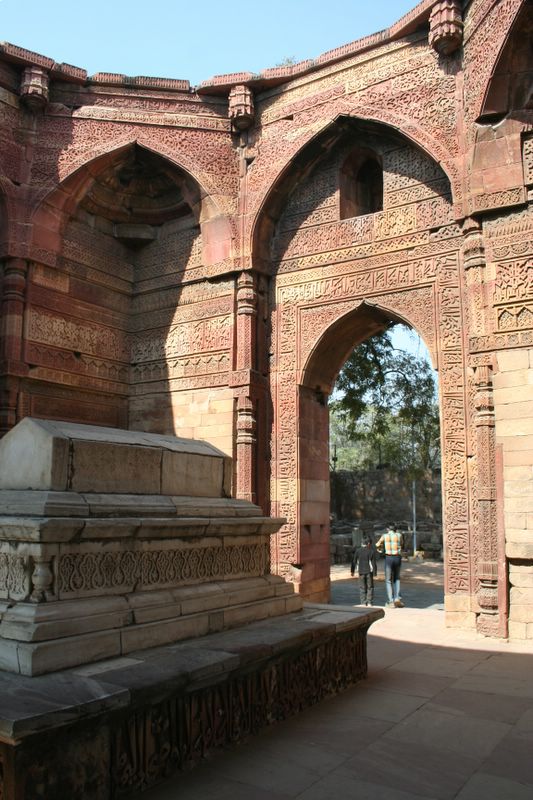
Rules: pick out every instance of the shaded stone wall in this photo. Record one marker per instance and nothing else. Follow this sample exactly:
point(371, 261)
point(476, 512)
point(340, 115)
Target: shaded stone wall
point(384, 496)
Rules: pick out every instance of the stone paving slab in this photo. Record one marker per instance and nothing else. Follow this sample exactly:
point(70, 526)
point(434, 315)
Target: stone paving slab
point(490, 787)
point(425, 771)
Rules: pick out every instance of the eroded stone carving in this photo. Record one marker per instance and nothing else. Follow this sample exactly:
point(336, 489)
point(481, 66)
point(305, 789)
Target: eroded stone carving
point(125, 529)
point(34, 88)
point(446, 26)
point(241, 107)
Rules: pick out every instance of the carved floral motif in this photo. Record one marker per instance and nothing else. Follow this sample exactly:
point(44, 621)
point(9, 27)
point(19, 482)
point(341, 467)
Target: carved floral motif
point(85, 573)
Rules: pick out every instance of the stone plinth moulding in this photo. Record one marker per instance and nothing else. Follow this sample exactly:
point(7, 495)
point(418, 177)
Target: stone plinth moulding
point(34, 88)
point(113, 541)
point(446, 26)
point(241, 107)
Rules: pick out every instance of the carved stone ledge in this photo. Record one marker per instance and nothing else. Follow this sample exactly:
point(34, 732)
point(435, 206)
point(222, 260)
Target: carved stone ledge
point(169, 707)
point(446, 26)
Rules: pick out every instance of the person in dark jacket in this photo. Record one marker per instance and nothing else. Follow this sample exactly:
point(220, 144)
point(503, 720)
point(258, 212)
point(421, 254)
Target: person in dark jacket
point(364, 560)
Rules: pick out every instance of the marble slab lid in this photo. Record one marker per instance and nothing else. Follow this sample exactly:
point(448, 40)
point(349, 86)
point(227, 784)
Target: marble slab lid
point(61, 456)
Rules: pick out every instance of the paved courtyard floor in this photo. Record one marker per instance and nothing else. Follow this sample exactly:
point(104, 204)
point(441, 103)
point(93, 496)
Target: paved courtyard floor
point(443, 714)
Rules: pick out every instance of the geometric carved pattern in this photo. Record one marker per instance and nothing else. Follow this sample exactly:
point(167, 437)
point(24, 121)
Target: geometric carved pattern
point(81, 337)
point(514, 281)
point(453, 422)
point(96, 572)
point(528, 159)
point(515, 317)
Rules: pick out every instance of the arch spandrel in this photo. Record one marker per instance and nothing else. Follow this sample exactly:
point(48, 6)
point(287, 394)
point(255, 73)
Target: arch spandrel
point(76, 165)
point(488, 27)
point(425, 116)
point(53, 208)
point(310, 148)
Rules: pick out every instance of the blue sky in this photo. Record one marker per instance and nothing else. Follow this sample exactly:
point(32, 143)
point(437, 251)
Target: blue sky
point(190, 40)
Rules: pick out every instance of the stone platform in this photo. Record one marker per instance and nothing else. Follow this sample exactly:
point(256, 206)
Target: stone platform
point(115, 727)
point(112, 541)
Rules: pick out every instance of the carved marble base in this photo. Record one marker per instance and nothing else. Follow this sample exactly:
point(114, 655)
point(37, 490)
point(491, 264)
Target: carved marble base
point(102, 553)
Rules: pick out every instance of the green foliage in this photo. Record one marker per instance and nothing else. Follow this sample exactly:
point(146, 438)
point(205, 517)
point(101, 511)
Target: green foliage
point(384, 410)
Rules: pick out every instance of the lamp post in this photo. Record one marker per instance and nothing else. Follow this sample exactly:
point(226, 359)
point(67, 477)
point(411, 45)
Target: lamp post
point(334, 458)
point(413, 487)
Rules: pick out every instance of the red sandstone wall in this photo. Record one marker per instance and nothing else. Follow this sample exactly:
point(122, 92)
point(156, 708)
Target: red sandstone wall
point(232, 323)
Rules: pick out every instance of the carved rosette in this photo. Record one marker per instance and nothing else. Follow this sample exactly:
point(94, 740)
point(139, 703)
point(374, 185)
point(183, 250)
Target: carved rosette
point(241, 107)
point(446, 26)
point(34, 88)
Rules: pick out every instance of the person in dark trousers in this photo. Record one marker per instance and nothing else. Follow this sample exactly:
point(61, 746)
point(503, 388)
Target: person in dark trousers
point(364, 560)
point(392, 543)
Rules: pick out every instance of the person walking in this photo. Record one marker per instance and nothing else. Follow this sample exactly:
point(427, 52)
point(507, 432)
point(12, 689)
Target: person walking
point(364, 560)
point(392, 543)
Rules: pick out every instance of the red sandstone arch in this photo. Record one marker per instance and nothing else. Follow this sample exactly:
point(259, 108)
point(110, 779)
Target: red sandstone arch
point(52, 210)
point(308, 152)
point(318, 324)
point(334, 343)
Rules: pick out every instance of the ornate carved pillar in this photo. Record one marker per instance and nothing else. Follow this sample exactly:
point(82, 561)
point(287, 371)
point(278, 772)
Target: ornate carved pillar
point(446, 26)
point(474, 264)
point(243, 383)
point(241, 109)
point(490, 571)
point(14, 279)
point(488, 568)
point(15, 271)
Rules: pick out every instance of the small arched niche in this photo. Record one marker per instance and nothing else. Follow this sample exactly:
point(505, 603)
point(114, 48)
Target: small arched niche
point(120, 235)
point(360, 184)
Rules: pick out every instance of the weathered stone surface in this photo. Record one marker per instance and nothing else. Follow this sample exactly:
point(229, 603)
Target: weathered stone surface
point(231, 322)
point(43, 455)
point(35, 457)
point(91, 716)
point(124, 572)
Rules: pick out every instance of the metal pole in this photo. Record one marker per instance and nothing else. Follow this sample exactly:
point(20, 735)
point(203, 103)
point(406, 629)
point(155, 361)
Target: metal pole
point(414, 516)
